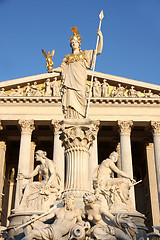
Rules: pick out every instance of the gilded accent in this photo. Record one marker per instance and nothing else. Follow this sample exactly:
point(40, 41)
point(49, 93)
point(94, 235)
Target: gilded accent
point(70, 58)
point(49, 62)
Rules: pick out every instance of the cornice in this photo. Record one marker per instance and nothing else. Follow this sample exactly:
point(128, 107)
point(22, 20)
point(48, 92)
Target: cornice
point(108, 100)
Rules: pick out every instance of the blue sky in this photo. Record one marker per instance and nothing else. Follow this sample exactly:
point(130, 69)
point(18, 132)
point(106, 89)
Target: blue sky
point(131, 30)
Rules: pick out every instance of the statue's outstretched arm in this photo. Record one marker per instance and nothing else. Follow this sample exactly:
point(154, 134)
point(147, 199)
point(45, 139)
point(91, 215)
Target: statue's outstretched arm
point(100, 45)
point(115, 169)
point(49, 216)
point(34, 173)
point(107, 214)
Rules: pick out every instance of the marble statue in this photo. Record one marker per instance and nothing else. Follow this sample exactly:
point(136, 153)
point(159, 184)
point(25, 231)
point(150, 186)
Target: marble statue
point(56, 88)
point(49, 62)
point(3, 93)
point(106, 225)
point(39, 195)
point(96, 88)
point(113, 92)
point(121, 91)
point(19, 91)
point(27, 90)
point(16, 92)
point(115, 190)
point(12, 93)
point(66, 218)
point(105, 88)
point(47, 87)
point(35, 90)
point(133, 93)
point(73, 69)
point(150, 94)
point(88, 91)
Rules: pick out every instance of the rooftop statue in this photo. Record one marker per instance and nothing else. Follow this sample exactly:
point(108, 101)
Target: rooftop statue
point(73, 69)
point(49, 62)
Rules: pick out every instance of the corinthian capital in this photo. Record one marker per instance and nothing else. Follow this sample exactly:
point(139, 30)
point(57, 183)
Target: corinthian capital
point(27, 126)
point(57, 125)
point(125, 126)
point(155, 125)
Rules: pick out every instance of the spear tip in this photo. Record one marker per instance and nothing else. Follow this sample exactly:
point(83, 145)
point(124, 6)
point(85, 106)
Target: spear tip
point(101, 15)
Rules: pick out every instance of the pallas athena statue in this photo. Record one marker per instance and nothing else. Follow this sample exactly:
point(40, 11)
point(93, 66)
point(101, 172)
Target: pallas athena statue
point(74, 75)
point(82, 210)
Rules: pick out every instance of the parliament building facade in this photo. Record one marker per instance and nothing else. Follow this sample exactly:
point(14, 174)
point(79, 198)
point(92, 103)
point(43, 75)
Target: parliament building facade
point(128, 112)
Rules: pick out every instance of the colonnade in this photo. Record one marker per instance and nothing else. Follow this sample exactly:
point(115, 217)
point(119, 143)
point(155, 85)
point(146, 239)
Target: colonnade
point(27, 149)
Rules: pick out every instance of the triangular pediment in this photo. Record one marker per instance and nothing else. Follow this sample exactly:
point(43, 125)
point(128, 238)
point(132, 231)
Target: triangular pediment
point(114, 85)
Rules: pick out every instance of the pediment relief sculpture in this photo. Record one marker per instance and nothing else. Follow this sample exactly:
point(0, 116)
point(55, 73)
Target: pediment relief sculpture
point(47, 89)
point(101, 89)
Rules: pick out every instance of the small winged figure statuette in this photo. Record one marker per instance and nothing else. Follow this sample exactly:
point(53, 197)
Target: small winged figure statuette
point(49, 62)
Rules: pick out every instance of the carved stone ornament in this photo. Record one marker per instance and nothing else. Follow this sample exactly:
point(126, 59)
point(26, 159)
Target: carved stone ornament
point(79, 136)
point(57, 125)
point(27, 126)
point(155, 127)
point(125, 126)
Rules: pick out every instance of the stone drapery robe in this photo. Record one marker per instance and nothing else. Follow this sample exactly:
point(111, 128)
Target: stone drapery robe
point(74, 80)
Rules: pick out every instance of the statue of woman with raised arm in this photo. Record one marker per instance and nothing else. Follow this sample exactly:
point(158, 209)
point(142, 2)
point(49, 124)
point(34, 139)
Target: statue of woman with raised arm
point(37, 194)
point(115, 189)
point(73, 69)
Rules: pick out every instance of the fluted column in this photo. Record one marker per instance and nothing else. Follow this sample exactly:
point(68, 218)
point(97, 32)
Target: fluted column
point(2, 173)
point(27, 126)
point(118, 149)
point(156, 139)
point(77, 137)
point(93, 156)
point(58, 152)
point(125, 149)
point(152, 184)
point(32, 157)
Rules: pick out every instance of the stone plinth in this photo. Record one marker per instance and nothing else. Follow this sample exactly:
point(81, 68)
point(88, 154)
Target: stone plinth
point(77, 137)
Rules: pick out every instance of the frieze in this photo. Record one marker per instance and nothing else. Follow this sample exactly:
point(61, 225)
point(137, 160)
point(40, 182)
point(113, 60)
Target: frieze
point(102, 91)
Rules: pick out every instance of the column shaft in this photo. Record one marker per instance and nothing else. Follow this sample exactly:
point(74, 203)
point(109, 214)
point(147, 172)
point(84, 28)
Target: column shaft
point(2, 167)
point(156, 139)
point(58, 152)
point(153, 184)
point(24, 156)
point(126, 155)
point(93, 159)
point(32, 157)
